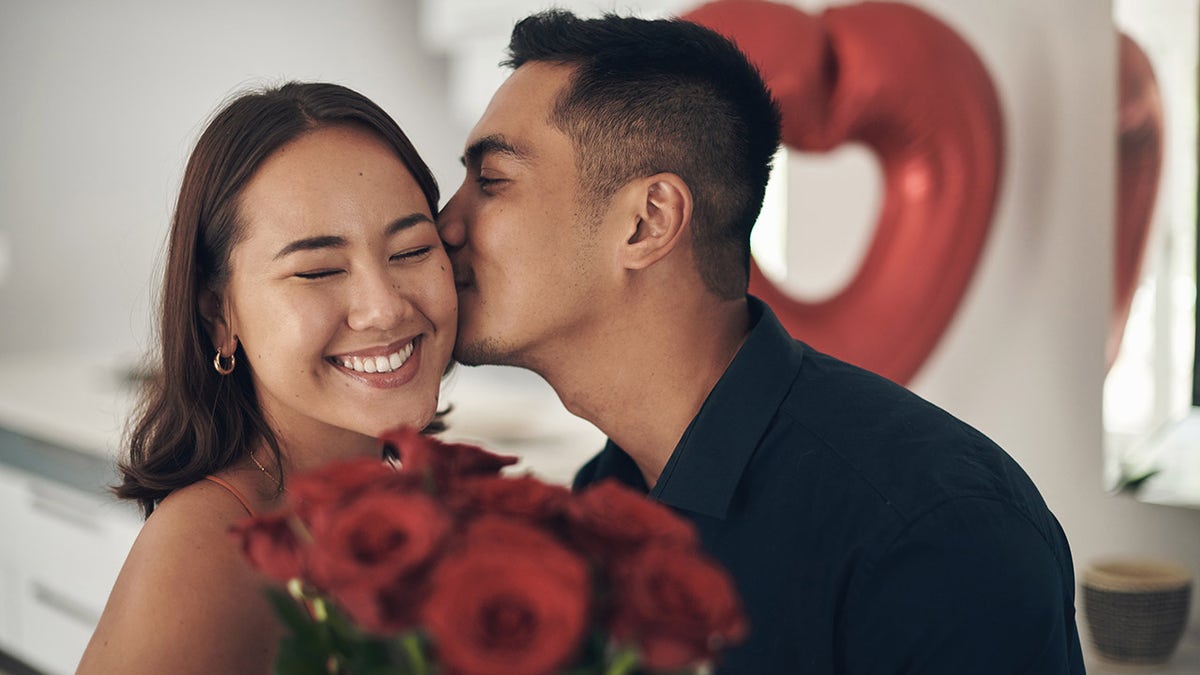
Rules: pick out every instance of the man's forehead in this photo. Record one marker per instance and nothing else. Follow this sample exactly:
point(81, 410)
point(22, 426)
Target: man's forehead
point(520, 110)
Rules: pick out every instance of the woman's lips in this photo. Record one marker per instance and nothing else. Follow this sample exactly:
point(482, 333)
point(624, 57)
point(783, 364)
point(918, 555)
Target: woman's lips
point(397, 366)
point(385, 363)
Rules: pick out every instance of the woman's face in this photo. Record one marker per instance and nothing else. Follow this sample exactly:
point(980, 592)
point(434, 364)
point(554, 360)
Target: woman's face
point(340, 292)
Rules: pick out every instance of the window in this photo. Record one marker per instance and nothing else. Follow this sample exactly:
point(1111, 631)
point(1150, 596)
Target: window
point(1151, 388)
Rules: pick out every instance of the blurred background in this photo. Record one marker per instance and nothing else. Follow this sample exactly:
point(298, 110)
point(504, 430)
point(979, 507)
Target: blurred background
point(101, 103)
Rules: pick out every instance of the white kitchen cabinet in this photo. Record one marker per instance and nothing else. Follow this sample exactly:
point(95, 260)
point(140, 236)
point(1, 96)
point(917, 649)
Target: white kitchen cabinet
point(12, 489)
point(63, 551)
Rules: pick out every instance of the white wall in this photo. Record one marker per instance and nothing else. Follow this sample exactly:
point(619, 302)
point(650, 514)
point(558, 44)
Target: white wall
point(102, 101)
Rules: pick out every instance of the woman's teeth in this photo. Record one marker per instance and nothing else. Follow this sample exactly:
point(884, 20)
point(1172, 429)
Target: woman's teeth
point(378, 364)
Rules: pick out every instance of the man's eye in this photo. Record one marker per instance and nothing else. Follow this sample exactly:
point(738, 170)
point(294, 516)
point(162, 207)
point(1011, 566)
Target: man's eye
point(487, 183)
point(317, 274)
point(414, 254)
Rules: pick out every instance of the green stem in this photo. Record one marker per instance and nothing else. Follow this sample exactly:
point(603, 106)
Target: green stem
point(624, 663)
point(411, 644)
point(320, 610)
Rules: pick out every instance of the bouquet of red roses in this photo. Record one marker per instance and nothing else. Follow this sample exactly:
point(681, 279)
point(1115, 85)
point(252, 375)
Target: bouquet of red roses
point(443, 565)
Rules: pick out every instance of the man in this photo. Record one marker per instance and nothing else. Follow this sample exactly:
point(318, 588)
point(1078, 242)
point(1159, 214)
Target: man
point(601, 239)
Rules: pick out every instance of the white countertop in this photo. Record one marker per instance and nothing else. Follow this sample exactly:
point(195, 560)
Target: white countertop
point(78, 401)
point(83, 401)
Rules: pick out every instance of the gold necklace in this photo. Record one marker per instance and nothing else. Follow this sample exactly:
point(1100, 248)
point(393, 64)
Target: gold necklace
point(277, 481)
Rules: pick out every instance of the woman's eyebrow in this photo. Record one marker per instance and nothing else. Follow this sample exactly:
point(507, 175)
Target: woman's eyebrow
point(334, 241)
point(406, 222)
point(311, 244)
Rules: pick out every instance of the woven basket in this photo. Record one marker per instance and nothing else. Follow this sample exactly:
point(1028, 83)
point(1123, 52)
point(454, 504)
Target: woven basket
point(1136, 609)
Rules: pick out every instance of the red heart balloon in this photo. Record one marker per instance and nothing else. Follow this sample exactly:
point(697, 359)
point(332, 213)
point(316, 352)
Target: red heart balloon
point(905, 85)
point(1139, 164)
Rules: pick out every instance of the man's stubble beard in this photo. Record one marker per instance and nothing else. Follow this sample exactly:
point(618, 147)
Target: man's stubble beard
point(494, 350)
point(488, 351)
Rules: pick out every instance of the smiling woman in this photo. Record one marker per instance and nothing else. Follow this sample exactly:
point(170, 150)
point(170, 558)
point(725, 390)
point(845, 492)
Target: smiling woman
point(308, 306)
point(340, 262)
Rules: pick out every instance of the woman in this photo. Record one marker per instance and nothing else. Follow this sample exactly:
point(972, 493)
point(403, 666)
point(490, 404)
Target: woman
point(308, 306)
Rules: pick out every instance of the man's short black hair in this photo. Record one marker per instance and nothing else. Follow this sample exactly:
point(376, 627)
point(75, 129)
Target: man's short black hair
point(651, 96)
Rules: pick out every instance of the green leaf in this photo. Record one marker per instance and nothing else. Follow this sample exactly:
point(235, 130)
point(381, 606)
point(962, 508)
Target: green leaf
point(368, 657)
point(298, 656)
point(1133, 481)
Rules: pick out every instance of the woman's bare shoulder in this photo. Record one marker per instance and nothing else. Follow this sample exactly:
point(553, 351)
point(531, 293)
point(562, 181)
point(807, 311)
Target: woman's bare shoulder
point(188, 533)
point(185, 600)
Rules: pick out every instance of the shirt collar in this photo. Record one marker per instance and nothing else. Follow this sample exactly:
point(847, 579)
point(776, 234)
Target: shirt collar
point(703, 472)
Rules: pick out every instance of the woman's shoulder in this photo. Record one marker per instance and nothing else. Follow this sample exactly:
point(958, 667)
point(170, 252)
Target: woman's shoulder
point(186, 598)
point(211, 500)
point(200, 513)
point(187, 542)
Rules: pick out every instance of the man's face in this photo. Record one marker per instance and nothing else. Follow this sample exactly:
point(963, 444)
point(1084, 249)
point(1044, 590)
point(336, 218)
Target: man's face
point(527, 264)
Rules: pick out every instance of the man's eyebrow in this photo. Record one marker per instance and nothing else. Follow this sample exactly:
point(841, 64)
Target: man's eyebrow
point(489, 145)
point(334, 241)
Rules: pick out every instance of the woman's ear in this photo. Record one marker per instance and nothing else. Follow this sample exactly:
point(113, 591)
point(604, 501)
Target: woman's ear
point(217, 322)
point(663, 206)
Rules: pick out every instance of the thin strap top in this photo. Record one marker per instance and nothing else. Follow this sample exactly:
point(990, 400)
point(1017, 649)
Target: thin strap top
point(233, 491)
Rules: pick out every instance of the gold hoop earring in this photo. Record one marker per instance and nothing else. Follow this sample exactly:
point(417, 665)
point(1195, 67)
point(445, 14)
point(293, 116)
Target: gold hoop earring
point(224, 370)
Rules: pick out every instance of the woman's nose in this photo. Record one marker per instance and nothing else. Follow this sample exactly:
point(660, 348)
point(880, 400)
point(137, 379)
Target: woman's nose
point(377, 303)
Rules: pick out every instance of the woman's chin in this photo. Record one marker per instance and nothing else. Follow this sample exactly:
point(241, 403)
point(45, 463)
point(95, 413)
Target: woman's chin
point(418, 421)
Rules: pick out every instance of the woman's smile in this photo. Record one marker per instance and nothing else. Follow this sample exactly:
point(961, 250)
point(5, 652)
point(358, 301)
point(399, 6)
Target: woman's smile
point(385, 367)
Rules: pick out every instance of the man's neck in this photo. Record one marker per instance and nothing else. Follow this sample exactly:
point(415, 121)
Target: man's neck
point(643, 381)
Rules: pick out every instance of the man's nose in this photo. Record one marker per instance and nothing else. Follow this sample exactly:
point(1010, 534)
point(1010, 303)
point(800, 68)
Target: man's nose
point(451, 227)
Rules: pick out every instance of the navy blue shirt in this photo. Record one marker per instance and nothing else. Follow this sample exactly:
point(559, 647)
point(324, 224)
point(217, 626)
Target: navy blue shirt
point(868, 530)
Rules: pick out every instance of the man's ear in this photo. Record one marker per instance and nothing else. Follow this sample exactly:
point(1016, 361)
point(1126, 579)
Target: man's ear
point(663, 208)
point(217, 322)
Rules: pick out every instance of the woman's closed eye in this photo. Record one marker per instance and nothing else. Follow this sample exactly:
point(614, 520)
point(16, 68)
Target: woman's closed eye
point(318, 274)
point(413, 255)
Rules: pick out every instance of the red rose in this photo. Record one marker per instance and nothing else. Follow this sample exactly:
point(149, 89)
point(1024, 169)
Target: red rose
point(370, 542)
point(612, 520)
point(512, 601)
point(315, 490)
point(523, 497)
point(678, 606)
point(427, 456)
point(385, 610)
point(270, 544)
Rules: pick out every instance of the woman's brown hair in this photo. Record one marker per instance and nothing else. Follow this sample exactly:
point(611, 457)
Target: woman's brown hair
point(193, 422)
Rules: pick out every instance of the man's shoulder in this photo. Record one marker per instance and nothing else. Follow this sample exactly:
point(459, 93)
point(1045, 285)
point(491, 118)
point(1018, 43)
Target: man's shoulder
point(909, 453)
